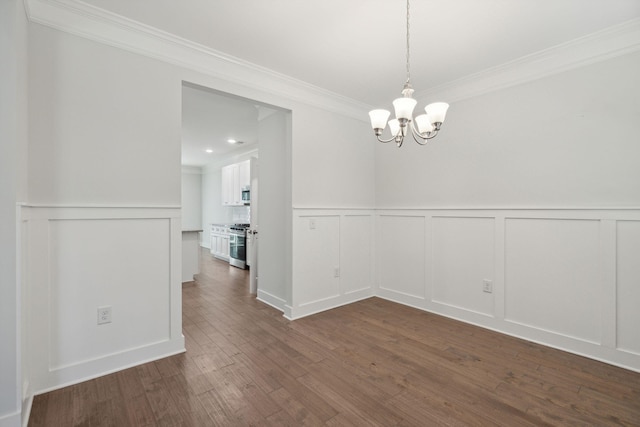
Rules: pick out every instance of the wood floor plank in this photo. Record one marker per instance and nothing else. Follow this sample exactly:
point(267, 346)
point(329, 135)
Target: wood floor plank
point(370, 363)
point(191, 409)
point(138, 409)
point(356, 402)
point(296, 410)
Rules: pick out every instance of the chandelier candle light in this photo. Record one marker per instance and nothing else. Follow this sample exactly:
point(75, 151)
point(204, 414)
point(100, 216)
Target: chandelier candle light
point(423, 128)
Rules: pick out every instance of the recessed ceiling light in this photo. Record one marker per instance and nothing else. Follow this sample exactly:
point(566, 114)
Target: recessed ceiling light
point(209, 150)
point(231, 141)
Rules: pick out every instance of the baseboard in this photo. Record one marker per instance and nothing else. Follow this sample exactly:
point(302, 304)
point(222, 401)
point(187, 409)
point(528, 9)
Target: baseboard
point(595, 351)
point(314, 307)
point(272, 300)
point(110, 364)
point(26, 410)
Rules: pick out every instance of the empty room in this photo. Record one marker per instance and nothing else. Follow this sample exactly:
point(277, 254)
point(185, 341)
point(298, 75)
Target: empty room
point(330, 212)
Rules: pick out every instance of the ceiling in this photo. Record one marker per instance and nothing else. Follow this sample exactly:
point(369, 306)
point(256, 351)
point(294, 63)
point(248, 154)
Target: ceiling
point(210, 119)
point(356, 48)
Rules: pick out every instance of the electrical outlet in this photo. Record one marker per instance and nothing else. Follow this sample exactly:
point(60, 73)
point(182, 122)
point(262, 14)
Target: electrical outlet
point(104, 315)
point(312, 224)
point(487, 286)
point(336, 272)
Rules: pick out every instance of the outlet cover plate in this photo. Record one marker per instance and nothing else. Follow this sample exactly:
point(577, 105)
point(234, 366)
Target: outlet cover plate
point(104, 315)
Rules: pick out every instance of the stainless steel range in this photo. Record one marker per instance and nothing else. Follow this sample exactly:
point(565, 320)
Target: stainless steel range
point(238, 245)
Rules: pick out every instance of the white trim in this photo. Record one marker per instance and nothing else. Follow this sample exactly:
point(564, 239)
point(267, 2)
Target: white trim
point(170, 351)
point(94, 206)
point(26, 410)
point(318, 210)
point(42, 375)
point(605, 44)
point(271, 300)
point(508, 208)
point(84, 20)
point(325, 304)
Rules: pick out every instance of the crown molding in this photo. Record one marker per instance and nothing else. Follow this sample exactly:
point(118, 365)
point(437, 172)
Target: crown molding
point(608, 43)
point(84, 20)
point(87, 21)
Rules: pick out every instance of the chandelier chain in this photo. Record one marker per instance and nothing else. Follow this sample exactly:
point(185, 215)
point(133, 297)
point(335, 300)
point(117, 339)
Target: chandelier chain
point(408, 52)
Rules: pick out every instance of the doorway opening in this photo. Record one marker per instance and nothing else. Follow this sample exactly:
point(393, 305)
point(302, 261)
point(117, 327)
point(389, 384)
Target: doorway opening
point(230, 146)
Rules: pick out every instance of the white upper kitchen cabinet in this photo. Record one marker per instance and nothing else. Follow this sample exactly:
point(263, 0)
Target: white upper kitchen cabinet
point(234, 178)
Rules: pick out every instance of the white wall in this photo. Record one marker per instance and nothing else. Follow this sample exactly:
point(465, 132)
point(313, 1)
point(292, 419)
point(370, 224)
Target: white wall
point(13, 145)
point(333, 185)
point(333, 259)
point(105, 151)
point(102, 132)
point(564, 278)
point(274, 237)
point(191, 197)
point(102, 223)
point(106, 138)
point(569, 140)
point(536, 188)
point(332, 168)
point(545, 208)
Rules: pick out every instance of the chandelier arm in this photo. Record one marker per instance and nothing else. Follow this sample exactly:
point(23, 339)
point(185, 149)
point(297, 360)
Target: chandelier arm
point(423, 140)
point(415, 132)
point(432, 134)
point(386, 140)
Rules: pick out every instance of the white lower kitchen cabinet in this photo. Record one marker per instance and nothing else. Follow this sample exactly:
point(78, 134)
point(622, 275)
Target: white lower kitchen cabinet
point(220, 241)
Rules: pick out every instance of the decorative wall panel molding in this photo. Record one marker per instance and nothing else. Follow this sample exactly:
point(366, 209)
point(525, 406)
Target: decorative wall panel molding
point(333, 259)
point(83, 258)
point(627, 281)
point(566, 278)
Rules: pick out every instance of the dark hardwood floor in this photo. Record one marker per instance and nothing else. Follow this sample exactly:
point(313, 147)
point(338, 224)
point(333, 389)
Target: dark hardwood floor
point(372, 363)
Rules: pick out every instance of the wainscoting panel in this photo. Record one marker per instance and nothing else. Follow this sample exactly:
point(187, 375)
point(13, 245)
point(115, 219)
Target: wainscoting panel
point(332, 259)
point(82, 258)
point(90, 268)
point(356, 253)
point(628, 286)
point(463, 258)
point(318, 257)
point(553, 276)
point(566, 278)
point(401, 256)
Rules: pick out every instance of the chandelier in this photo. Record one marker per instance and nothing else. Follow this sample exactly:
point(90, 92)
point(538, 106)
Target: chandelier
point(423, 128)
